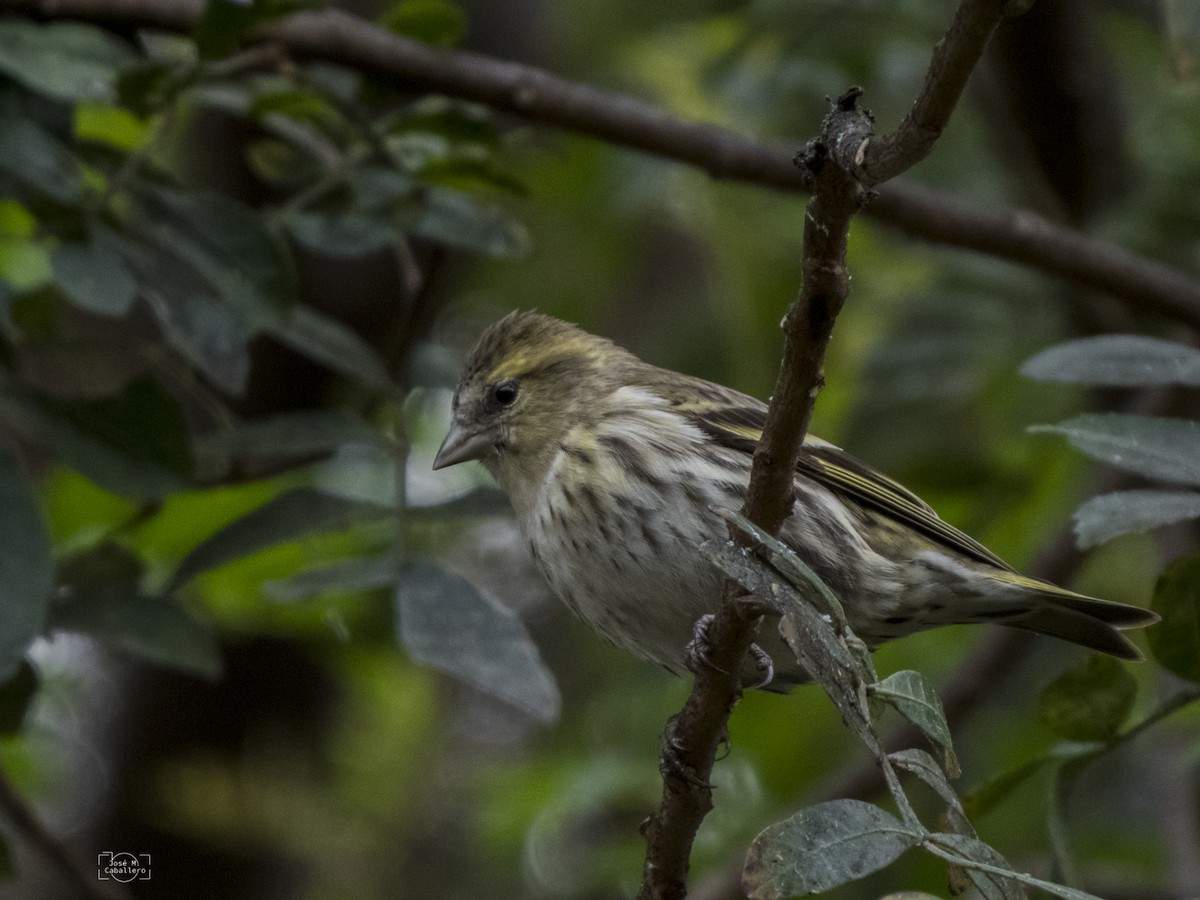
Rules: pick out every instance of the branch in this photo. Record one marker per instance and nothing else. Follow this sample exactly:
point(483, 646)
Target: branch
point(29, 827)
point(835, 165)
point(1020, 237)
point(954, 58)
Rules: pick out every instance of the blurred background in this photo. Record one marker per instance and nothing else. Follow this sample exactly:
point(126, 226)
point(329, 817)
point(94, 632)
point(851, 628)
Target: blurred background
point(252, 670)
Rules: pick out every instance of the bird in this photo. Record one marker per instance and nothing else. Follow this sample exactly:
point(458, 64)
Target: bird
point(618, 472)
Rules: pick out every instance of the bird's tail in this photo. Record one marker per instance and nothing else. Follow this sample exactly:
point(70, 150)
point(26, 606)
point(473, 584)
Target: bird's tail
point(1083, 620)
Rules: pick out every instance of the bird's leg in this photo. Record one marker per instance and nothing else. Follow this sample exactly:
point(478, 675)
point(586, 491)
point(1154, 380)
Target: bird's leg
point(672, 764)
point(697, 653)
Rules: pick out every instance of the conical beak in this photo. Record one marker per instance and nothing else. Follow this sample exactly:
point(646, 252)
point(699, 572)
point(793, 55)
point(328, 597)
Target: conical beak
point(461, 444)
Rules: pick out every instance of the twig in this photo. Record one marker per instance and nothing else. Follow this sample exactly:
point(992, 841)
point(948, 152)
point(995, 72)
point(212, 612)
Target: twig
point(24, 821)
point(954, 58)
point(1018, 236)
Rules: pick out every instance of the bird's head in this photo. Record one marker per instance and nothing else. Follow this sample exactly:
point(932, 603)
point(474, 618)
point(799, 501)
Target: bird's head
point(530, 380)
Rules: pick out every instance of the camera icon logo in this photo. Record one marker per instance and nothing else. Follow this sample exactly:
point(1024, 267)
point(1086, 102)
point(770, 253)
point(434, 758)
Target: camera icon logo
point(123, 867)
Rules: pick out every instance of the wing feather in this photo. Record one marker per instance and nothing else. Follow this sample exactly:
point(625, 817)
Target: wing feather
point(738, 424)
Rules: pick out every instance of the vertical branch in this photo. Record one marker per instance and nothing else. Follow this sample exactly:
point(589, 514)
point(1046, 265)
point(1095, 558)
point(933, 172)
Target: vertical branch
point(694, 736)
point(839, 166)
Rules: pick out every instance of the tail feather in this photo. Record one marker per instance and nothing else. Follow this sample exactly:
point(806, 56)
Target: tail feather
point(1083, 620)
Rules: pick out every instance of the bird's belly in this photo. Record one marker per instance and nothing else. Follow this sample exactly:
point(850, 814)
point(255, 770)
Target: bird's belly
point(622, 577)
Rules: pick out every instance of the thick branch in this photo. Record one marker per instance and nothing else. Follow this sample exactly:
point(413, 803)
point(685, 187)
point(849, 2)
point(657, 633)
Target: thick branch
point(1019, 237)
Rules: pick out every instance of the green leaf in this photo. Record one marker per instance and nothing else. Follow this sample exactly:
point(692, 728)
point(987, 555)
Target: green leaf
point(925, 767)
point(31, 156)
point(16, 695)
point(99, 595)
point(143, 422)
point(330, 343)
point(227, 24)
point(63, 60)
point(1117, 360)
point(808, 633)
point(347, 236)
point(194, 321)
point(346, 576)
point(1175, 641)
point(981, 800)
point(1108, 516)
point(447, 624)
point(1167, 449)
point(992, 885)
point(26, 564)
point(227, 244)
point(112, 125)
point(436, 22)
point(288, 517)
point(92, 274)
point(822, 847)
point(112, 458)
point(285, 437)
point(915, 699)
point(1089, 703)
point(457, 220)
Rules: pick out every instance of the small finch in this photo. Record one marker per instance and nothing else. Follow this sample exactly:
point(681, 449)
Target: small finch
point(615, 469)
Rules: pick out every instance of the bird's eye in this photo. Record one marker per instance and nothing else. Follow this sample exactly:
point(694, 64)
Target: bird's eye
point(505, 393)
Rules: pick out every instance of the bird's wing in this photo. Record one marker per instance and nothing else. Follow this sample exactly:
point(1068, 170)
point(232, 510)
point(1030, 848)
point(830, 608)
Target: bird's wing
point(738, 423)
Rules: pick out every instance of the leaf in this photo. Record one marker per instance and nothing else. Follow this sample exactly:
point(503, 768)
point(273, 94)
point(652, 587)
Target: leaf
point(981, 800)
point(346, 576)
point(458, 220)
point(436, 22)
point(1089, 703)
point(111, 455)
point(227, 24)
point(100, 596)
point(209, 334)
point(226, 244)
point(349, 236)
point(1108, 516)
point(330, 343)
point(293, 514)
point(26, 564)
point(31, 156)
point(447, 624)
point(287, 437)
point(1152, 447)
point(808, 633)
point(1117, 360)
point(914, 698)
point(921, 764)
point(992, 885)
point(143, 422)
point(822, 847)
point(1175, 641)
point(63, 60)
point(16, 695)
point(93, 276)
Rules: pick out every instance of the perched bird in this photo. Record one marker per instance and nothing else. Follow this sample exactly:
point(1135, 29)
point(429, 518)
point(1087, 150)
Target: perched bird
point(615, 467)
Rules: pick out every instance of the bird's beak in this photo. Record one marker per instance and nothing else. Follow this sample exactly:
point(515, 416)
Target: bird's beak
point(461, 444)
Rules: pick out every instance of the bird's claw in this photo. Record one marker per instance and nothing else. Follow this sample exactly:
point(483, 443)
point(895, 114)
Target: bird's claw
point(697, 654)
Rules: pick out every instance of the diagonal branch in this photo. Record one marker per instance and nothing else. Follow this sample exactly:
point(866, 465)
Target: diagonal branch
point(1020, 237)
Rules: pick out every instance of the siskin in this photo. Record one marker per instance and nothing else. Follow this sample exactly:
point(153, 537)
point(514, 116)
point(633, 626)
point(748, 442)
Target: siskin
point(614, 468)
